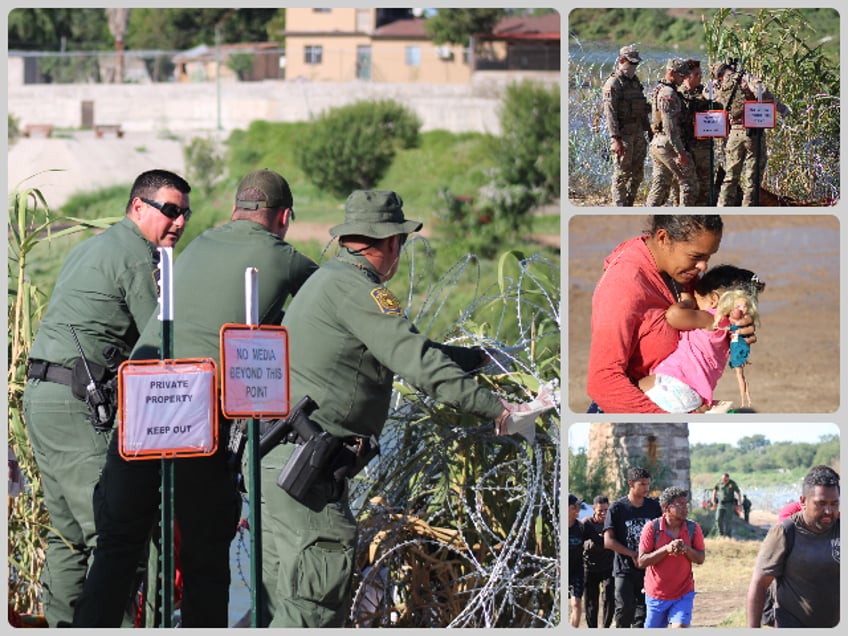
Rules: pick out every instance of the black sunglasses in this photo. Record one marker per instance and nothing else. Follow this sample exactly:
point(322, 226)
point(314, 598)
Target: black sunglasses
point(171, 210)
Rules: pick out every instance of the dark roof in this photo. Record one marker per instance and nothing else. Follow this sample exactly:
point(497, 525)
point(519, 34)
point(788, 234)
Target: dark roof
point(544, 27)
point(405, 29)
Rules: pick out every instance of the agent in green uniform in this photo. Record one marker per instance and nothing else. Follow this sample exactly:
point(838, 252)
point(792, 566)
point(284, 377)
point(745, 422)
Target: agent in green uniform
point(726, 496)
point(348, 338)
point(106, 290)
point(208, 292)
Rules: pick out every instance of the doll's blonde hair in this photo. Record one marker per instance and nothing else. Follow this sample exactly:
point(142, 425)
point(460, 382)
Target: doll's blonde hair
point(729, 300)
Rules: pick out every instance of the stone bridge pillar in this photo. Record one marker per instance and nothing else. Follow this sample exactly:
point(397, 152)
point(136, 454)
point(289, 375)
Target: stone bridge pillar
point(663, 449)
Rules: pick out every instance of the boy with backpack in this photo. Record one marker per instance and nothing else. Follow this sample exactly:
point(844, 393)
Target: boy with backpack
point(668, 547)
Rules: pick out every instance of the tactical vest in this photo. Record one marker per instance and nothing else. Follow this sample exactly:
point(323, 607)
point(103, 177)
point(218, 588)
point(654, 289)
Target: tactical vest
point(692, 101)
point(656, 120)
point(631, 99)
point(731, 91)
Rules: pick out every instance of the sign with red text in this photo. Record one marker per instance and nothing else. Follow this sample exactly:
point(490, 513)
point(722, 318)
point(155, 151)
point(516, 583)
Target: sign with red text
point(711, 123)
point(759, 115)
point(254, 371)
point(167, 408)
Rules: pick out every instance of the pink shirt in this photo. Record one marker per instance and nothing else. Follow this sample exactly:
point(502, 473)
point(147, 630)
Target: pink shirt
point(630, 334)
point(699, 360)
point(670, 578)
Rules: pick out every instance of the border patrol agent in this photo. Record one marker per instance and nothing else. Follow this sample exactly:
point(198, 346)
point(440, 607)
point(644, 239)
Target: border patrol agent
point(106, 290)
point(626, 112)
point(209, 292)
point(668, 150)
point(348, 338)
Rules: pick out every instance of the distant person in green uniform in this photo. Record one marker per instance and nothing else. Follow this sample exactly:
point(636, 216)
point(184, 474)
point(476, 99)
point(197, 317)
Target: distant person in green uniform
point(348, 338)
point(106, 291)
point(726, 496)
point(208, 293)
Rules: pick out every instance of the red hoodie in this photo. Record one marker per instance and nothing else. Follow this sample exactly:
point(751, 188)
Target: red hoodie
point(630, 334)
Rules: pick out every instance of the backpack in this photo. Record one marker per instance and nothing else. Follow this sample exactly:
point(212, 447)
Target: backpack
point(690, 528)
point(768, 607)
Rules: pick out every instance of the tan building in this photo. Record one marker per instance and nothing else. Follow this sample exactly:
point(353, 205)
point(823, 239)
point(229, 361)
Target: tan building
point(374, 44)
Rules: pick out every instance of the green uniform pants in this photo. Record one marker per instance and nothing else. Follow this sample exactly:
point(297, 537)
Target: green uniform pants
point(724, 517)
point(308, 551)
point(69, 454)
point(740, 166)
point(629, 168)
point(667, 172)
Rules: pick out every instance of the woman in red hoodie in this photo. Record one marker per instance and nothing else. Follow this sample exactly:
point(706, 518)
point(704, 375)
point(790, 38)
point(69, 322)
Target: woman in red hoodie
point(642, 277)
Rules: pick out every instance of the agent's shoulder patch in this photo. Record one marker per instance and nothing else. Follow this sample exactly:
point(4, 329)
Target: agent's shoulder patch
point(386, 300)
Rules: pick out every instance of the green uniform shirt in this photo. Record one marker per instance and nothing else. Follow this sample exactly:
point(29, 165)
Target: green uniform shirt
point(347, 339)
point(106, 290)
point(209, 287)
point(726, 493)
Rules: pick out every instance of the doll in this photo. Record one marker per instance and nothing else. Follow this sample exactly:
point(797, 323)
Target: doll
point(732, 306)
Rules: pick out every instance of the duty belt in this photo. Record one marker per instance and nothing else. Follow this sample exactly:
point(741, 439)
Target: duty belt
point(49, 371)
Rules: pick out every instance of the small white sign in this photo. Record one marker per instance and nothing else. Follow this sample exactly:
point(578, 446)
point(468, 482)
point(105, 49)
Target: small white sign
point(167, 408)
point(759, 115)
point(710, 124)
point(254, 371)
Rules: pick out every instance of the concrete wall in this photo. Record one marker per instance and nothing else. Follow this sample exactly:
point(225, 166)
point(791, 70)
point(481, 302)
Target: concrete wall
point(470, 107)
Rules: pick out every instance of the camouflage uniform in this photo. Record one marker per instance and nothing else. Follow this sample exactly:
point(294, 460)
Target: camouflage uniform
point(667, 143)
point(694, 101)
point(740, 149)
point(626, 112)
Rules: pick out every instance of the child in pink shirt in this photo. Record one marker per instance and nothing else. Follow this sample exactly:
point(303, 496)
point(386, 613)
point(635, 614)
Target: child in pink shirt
point(684, 381)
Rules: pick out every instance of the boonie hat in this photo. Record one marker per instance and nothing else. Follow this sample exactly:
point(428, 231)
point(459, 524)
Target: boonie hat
point(678, 66)
point(376, 214)
point(274, 188)
point(630, 53)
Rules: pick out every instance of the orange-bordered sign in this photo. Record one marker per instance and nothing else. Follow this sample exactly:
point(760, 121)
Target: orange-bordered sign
point(254, 371)
point(710, 124)
point(167, 408)
point(759, 114)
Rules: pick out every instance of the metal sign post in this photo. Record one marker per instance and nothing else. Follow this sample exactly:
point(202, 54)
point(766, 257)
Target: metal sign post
point(166, 528)
point(254, 485)
point(254, 385)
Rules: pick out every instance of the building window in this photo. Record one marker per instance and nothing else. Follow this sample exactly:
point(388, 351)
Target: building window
point(312, 54)
point(413, 56)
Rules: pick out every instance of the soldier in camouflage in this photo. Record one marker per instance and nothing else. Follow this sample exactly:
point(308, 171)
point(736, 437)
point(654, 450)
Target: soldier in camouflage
point(695, 100)
point(743, 146)
point(626, 112)
point(668, 150)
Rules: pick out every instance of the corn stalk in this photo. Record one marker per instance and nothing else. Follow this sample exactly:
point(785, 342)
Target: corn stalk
point(30, 222)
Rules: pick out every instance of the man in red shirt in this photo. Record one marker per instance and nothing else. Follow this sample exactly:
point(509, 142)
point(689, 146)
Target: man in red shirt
point(668, 547)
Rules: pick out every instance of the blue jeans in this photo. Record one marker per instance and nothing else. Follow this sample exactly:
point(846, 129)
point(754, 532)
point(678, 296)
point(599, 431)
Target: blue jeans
point(664, 613)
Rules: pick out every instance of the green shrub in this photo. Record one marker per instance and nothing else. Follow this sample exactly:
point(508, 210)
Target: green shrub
point(529, 149)
point(351, 147)
point(204, 163)
point(14, 128)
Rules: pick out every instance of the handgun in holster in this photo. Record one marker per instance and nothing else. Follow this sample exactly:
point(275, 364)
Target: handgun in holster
point(271, 432)
point(321, 454)
point(311, 456)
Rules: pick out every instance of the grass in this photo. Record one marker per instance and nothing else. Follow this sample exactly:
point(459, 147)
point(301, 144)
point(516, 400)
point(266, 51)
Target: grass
point(721, 582)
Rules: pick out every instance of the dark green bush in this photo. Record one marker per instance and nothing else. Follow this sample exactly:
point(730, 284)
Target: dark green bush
point(351, 147)
point(530, 137)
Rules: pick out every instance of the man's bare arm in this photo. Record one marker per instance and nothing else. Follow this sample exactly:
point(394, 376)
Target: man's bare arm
point(757, 597)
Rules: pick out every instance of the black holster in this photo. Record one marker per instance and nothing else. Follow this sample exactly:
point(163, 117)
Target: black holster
point(320, 454)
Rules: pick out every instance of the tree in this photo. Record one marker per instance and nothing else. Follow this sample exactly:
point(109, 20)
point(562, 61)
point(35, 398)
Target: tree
point(352, 146)
point(753, 443)
point(457, 26)
point(118, 21)
point(58, 30)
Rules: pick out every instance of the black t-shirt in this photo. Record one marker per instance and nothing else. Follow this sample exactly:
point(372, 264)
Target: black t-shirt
point(596, 557)
point(625, 521)
point(575, 550)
